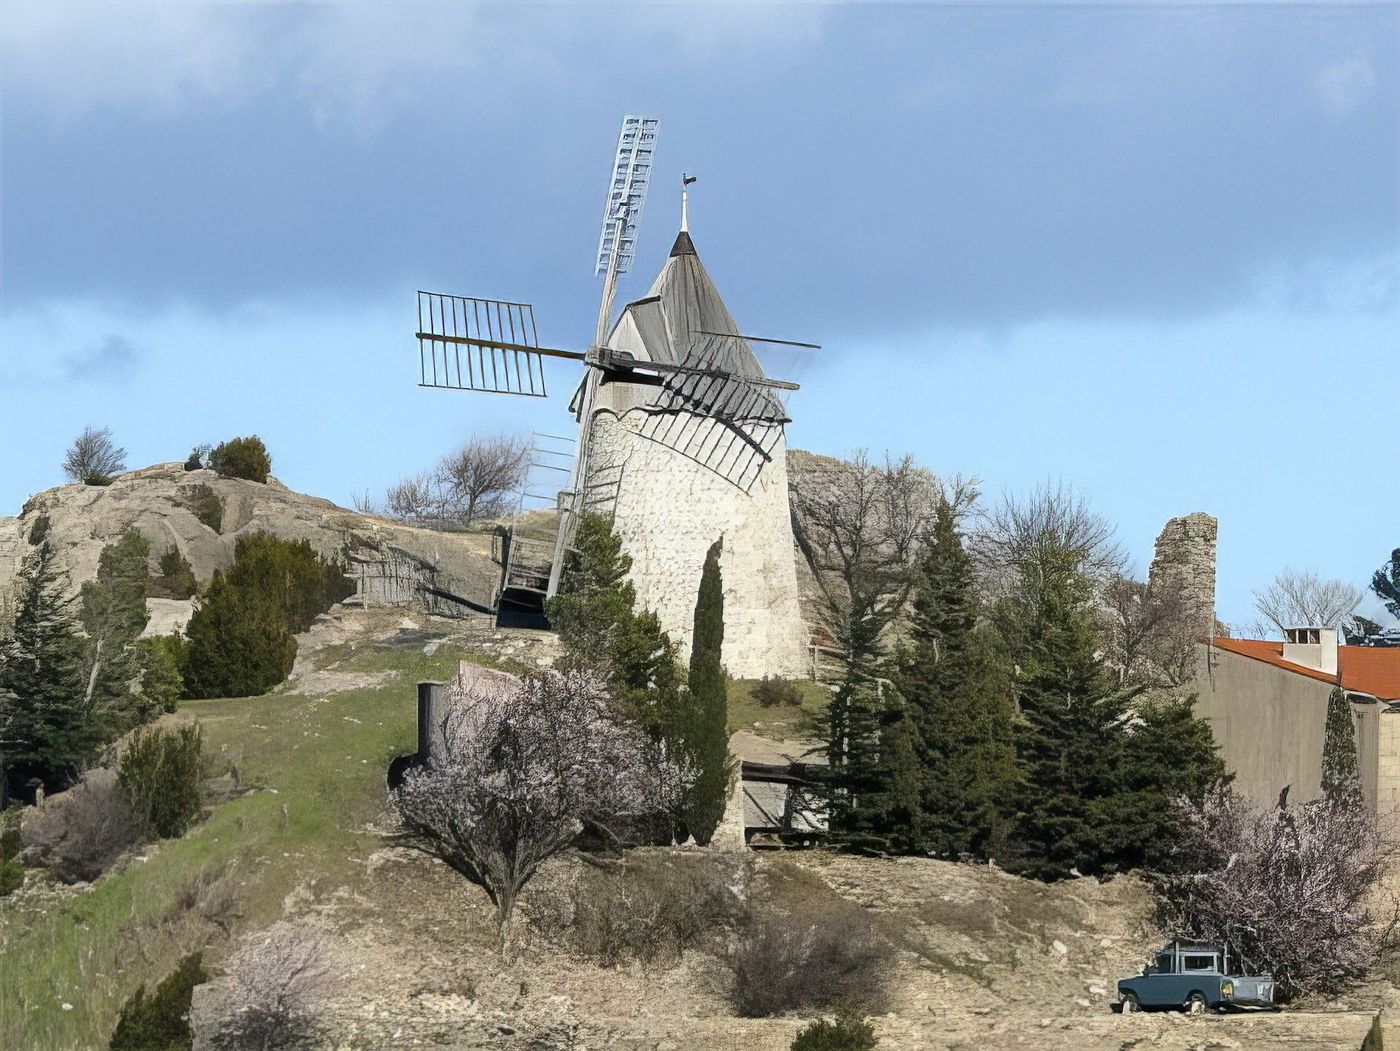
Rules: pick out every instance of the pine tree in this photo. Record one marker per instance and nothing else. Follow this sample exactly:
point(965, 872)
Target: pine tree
point(706, 740)
point(1169, 754)
point(957, 694)
point(1386, 583)
point(114, 615)
point(1070, 740)
point(47, 731)
point(1341, 778)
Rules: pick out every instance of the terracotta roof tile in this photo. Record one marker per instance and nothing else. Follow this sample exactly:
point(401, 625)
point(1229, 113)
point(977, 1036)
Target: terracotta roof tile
point(1366, 669)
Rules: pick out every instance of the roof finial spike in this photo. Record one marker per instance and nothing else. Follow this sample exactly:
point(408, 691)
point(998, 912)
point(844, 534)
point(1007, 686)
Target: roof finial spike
point(686, 180)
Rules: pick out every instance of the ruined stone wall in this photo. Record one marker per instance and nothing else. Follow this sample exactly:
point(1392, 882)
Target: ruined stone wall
point(1184, 564)
point(669, 509)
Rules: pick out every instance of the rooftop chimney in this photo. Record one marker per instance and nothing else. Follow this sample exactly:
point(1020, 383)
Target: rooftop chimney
point(1314, 648)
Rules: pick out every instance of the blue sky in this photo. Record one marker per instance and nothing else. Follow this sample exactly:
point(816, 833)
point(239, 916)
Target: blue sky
point(1149, 250)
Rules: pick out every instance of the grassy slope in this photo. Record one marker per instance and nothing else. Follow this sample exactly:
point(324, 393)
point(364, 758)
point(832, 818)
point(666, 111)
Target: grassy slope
point(319, 766)
point(745, 712)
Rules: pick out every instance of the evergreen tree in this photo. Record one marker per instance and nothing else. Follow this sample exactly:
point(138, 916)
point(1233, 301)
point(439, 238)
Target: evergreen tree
point(1341, 777)
point(47, 731)
point(706, 737)
point(957, 703)
point(113, 616)
point(1386, 583)
point(239, 643)
point(1169, 754)
point(241, 635)
point(595, 617)
point(1070, 739)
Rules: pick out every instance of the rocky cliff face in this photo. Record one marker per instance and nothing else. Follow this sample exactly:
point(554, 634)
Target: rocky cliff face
point(158, 501)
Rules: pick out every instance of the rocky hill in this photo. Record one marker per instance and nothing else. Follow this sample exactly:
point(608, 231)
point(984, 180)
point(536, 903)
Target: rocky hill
point(163, 502)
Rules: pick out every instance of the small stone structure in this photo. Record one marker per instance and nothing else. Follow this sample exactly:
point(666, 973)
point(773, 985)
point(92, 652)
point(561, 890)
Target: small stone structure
point(1184, 563)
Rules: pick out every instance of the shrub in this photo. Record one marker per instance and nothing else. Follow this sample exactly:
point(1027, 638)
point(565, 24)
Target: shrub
point(11, 877)
point(161, 660)
point(272, 983)
point(160, 774)
point(198, 458)
point(176, 578)
point(846, 1033)
point(242, 458)
point(240, 637)
point(11, 871)
point(206, 505)
point(160, 1022)
point(824, 956)
point(79, 834)
point(648, 908)
point(777, 693)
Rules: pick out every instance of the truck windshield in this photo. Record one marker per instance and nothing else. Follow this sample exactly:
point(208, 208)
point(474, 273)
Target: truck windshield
point(1198, 963)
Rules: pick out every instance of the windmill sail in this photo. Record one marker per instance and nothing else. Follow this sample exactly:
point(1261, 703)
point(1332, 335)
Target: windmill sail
point(486, 345)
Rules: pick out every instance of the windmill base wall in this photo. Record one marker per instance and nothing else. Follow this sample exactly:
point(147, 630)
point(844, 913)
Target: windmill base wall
point(668, 509)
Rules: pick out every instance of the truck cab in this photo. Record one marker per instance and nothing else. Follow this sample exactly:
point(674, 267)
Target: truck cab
point(1194, 977)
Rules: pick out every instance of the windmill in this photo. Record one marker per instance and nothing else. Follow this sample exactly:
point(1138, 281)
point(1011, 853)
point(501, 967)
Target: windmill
point(704, 369)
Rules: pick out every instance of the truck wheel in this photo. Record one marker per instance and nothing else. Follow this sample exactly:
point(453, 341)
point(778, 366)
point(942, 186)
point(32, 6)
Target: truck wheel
point(1196, 1004)
point(1130, 1004)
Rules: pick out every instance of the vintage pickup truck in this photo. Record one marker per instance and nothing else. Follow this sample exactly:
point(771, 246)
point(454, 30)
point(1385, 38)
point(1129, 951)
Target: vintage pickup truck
point(1192, 977)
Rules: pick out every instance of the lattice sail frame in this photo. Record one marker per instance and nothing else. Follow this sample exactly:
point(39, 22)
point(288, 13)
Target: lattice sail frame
point(487, 345)
point(745, 415)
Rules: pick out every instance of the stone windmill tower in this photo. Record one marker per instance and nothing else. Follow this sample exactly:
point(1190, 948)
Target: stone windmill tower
point(680, 436)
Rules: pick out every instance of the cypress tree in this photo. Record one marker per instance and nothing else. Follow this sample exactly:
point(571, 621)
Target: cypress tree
point(707, 736)
point(1341, 778)
point(956, 692)
point(47, 731)
point(1386, 583)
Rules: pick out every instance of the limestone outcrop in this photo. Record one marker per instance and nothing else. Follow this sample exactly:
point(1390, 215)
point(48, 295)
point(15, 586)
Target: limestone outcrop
point(159, 502)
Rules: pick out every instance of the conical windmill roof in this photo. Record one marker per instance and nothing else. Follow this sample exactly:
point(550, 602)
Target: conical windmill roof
point(670, 323)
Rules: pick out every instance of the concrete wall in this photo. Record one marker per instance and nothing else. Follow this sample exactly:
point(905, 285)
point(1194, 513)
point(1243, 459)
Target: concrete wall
point(1270, 724)
point(669, 509)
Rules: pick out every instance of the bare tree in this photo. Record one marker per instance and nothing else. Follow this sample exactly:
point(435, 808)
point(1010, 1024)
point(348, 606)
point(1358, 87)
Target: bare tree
point(859, 525)
point(414, 498)
point(94, 458)
point(1300, 599)
point(477, 480)
point(525, 767)
point(1150, 638)
point(1016, 539)
point(266, 996)
point(1288, 889)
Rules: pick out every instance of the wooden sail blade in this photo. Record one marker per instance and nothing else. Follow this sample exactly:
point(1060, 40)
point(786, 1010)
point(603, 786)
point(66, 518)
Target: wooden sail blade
point(486, 345)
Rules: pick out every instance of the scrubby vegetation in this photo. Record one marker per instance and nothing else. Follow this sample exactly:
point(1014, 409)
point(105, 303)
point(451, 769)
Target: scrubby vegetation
point(649, 907)
point(820, 954)
point(776, 692)
point(241, 635)
point(176, 579)
point(844, 1033)
point(206, 505)
point(160, 1022)
point(79, 834)
point(161, 773)
point(245, 458)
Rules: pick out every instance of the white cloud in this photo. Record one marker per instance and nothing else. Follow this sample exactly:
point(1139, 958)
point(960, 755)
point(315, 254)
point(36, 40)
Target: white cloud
point(1343, 86)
